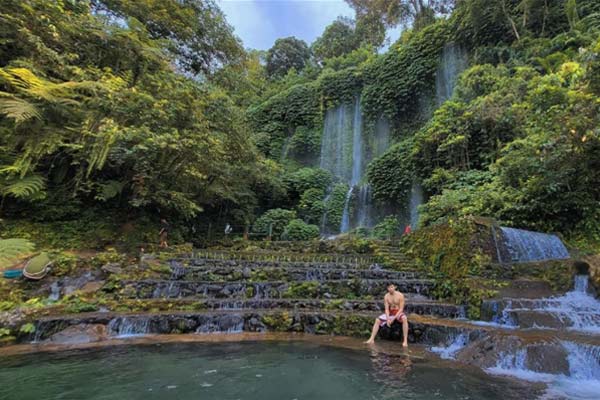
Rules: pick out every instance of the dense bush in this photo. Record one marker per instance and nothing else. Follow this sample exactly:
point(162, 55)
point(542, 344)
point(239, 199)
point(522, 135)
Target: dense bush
point(273, 221)
point(300, 230)
point(312, 206)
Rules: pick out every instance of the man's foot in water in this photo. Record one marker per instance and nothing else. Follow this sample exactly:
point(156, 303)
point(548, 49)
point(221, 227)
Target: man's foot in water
point(370, 341)
point(404, 344)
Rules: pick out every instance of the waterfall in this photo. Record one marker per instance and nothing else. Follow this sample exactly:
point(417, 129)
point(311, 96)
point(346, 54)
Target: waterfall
point(345, 153)
point(336, 143)
point(582, 381)
point(452, 63)
point(416, 199)
point(575, 311)
point(525, 246)
point(364, 206)
point(581, 283)
point(449, 351)
point(357, 145)
point(382, 137)
point(345, 226)
point(126, 327)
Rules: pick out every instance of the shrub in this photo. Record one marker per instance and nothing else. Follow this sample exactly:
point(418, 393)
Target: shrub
point(300, 230)
point(277, 218)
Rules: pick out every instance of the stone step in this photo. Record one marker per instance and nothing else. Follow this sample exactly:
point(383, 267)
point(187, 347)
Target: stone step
point(54, 328)
point(204, 262)
point(414, 305)
point(253, 272)
point(279, 256)
point(340, 289)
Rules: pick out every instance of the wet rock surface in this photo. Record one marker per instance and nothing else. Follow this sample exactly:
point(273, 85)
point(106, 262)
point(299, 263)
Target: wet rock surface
point(81, 333)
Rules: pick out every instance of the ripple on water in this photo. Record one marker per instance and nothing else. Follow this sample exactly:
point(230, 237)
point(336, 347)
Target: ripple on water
point(252, 371)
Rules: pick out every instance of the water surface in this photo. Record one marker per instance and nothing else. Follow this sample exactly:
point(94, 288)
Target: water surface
point(245, 370)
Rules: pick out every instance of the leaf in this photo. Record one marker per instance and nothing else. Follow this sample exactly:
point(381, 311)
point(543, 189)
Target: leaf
point(11, 249)
point(19, 110)
point(28, 187)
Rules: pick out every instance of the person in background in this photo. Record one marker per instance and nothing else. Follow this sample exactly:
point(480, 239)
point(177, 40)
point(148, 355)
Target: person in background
point(407, 230)
point(164, 233)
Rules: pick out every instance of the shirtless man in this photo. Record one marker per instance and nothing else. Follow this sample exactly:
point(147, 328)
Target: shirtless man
point(394, 310)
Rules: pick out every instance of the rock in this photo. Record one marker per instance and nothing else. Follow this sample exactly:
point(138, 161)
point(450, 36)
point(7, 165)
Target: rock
point(92, 287)
point(593, 262)
point(549, 358)
point(247, 273)
point(76, 334)
point(531, 318)
point(485, 351)
point(112, 268)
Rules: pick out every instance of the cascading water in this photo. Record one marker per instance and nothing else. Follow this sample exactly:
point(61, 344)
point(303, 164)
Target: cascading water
point(125, 327)
point(416, 199)
point(576, 311)
point(526, 246)
point(448, 352)
point(582, 381)
point(336, 143)
point(345, 154)
point(453, 62)
point(357, 157)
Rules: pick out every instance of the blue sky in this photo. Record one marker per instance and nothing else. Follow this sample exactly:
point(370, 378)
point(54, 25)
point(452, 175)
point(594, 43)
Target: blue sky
point(260, 22)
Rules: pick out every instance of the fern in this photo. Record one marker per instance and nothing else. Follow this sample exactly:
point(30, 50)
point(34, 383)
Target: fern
point(109, 190)
point(28, 187)
point(17, 109)
point(10, 249)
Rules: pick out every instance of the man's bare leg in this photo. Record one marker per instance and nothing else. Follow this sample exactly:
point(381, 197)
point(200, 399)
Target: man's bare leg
point(404, 331)
point(374, 332)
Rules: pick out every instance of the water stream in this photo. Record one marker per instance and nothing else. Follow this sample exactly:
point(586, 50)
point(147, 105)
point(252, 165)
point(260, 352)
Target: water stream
point(528, 246)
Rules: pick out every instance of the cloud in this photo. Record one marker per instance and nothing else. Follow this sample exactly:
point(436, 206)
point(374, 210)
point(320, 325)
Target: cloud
point(260, 22)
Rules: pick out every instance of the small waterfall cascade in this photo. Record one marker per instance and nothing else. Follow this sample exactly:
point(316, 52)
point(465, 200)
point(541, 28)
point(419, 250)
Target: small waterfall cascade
point(129, 326)
point(576, 310)
point(453, 61)
point(581, 381)
point(526, 246)
point(455, 345)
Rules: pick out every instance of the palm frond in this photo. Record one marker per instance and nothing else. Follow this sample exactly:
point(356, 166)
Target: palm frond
point(19, 110)
point(28, 187)
point(11, 249)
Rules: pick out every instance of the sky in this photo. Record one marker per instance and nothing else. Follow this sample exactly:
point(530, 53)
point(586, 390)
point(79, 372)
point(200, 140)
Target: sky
point(260, 22)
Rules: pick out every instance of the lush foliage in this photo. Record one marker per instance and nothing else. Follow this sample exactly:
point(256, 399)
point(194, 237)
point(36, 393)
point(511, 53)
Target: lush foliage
point(93, 114)
point(115, 113)
point(287, 53)
point(300, 230)
point(274, 222)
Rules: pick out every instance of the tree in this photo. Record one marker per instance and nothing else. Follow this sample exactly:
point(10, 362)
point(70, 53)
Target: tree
point(338, 39)
point(390, 13)
point(195, 31)
point(285, 54)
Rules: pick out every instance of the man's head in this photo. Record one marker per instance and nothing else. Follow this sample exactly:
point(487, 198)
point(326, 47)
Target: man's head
point(391, 288)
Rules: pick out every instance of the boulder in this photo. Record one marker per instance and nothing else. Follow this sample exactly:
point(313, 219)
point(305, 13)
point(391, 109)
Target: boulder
point(76, 334)
point(112, 268)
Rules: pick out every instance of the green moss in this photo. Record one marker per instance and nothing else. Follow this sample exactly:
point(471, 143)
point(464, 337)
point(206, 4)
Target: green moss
point(302, 290)
point(280, 322)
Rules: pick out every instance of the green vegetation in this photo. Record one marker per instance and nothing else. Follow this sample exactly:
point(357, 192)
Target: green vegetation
point(115, 114)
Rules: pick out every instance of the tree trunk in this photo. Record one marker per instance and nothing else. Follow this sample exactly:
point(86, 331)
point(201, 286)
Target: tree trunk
point(510, 20)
